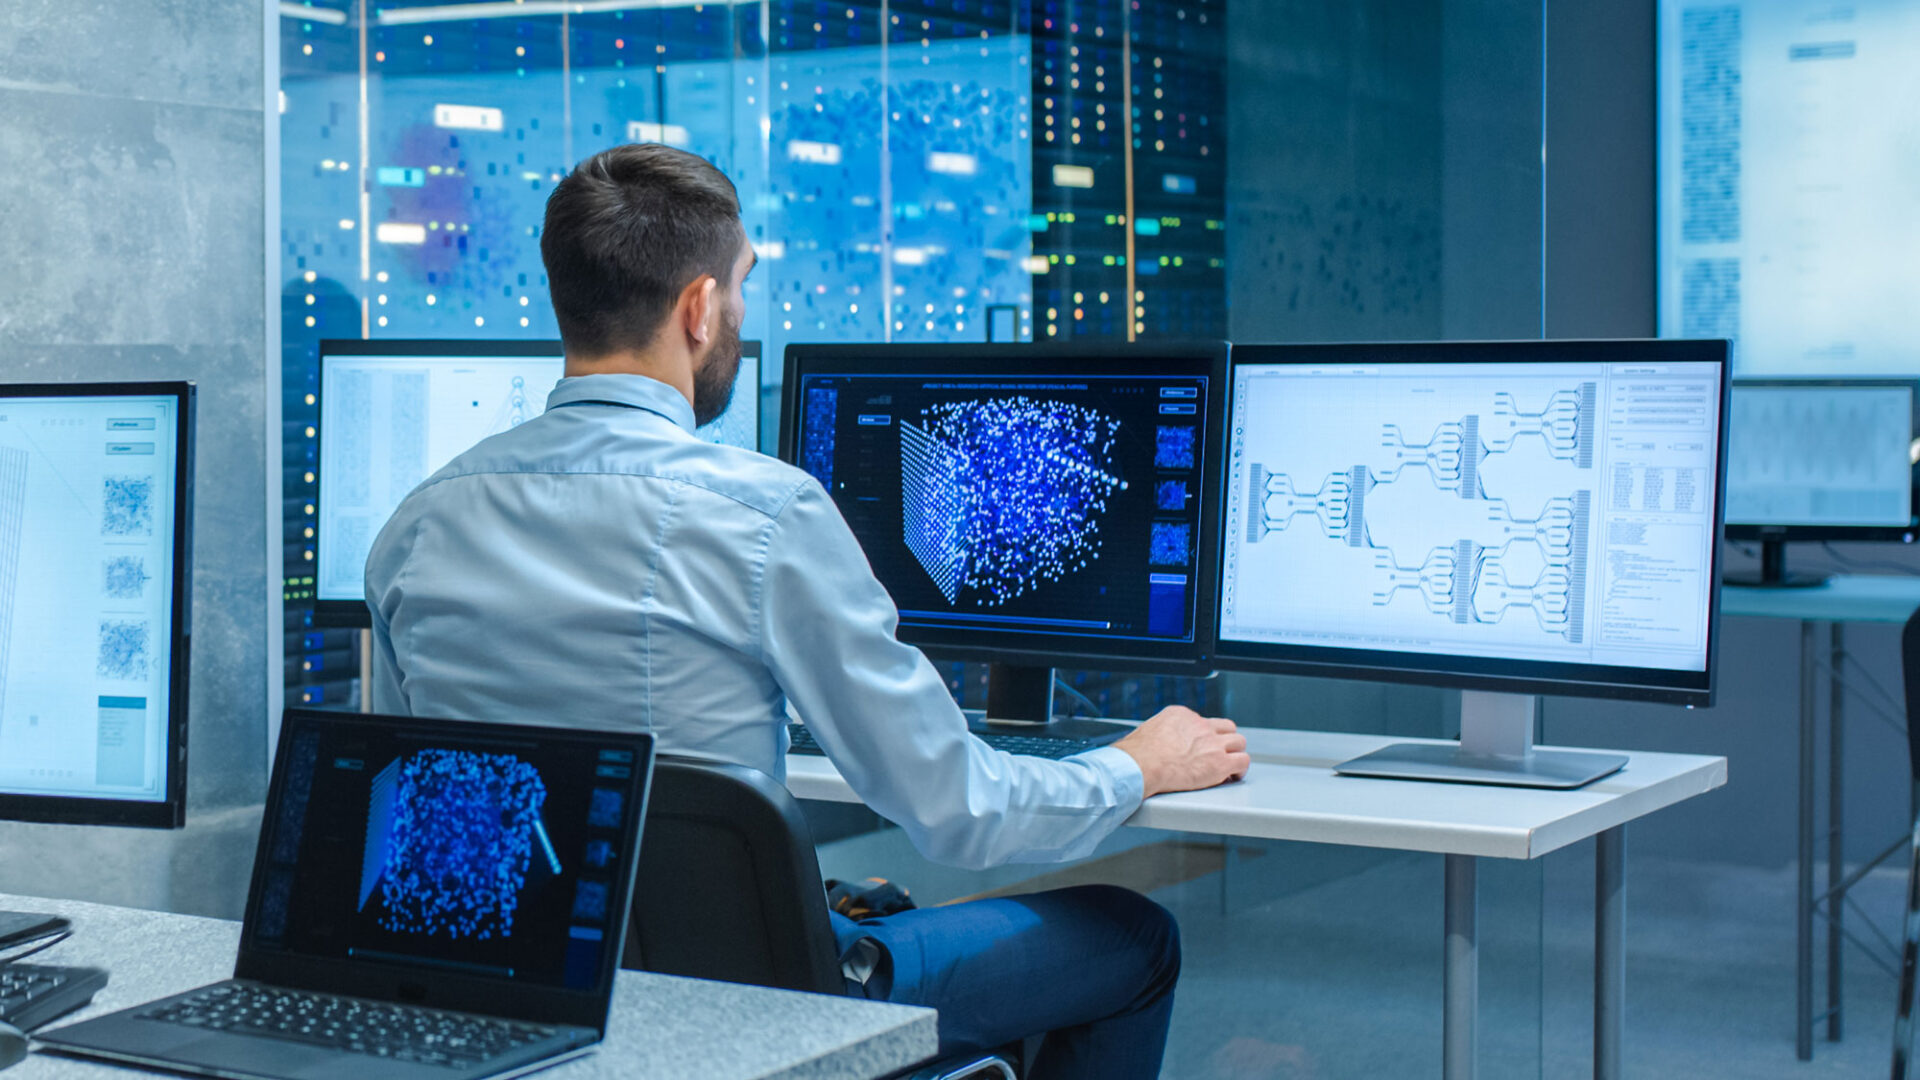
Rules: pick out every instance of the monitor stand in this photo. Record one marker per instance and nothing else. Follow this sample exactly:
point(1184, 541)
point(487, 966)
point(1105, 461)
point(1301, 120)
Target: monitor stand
point(1496, 747)
point(1020, 702)
point(1773, 571)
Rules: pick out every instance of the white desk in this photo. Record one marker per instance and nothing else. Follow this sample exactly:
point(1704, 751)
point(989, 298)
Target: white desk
point(1843, 599)
point(1292, 793)
point(659, 1025)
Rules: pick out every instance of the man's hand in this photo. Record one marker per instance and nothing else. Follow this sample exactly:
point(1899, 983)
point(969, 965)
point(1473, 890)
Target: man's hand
point(1180, 750)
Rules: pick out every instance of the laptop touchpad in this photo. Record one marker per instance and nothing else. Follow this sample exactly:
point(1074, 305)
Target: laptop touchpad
point(272, 1057)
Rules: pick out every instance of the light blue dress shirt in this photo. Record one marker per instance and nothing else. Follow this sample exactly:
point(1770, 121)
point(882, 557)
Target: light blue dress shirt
point(602, 565)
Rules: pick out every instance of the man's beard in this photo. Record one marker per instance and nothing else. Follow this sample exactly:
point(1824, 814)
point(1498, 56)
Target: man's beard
point(713, 382)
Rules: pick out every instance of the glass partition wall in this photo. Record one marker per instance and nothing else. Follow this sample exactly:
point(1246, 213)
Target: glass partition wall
point(960, 170)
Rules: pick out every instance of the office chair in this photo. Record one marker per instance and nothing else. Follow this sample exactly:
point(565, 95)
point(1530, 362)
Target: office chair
point(729, 889)
point(1910, 939)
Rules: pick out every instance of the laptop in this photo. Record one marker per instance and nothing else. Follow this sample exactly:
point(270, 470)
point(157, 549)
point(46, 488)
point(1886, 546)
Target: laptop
point(430, 898)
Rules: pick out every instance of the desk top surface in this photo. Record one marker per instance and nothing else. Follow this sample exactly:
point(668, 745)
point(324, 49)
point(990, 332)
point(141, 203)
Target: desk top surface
point(1872, 598)
point(1292, 793)
point(660, 1026)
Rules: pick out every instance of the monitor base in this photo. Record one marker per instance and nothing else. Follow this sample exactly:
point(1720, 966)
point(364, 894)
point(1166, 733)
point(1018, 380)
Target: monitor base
point(1755, 580)
point(1060, 727)
point(1556, 769)
point(1773, 573)
point(1495, 747)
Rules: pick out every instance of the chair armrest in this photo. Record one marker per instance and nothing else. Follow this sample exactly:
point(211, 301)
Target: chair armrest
point(961, 1067)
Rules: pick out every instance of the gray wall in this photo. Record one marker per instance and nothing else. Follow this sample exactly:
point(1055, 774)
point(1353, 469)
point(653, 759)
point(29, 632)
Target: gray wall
point(132, 246)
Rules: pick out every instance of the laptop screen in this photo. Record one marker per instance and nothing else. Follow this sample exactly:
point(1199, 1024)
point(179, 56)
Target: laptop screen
point(476, 850)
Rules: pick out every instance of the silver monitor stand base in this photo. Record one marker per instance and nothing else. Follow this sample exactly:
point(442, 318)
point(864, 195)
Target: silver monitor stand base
point(1496, 747)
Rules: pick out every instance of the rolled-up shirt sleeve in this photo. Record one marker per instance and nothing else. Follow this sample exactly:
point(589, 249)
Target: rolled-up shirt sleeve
point(885, 718)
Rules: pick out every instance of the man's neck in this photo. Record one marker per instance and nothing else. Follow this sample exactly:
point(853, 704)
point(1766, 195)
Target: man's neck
point(676, 372)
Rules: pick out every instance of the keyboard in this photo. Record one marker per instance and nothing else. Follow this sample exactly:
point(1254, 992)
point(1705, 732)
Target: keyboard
point(32, 994)
point(377, 1029)
point(1045, 746)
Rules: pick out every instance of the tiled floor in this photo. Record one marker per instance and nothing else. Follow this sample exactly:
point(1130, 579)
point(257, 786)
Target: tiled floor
point(1326, 963)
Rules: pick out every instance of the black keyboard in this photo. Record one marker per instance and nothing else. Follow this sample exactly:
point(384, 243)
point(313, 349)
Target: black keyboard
point(1046, 746)
point(374, 1028)
point(32, 994)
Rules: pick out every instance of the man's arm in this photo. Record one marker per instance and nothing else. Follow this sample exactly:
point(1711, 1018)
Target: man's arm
point(885, 717)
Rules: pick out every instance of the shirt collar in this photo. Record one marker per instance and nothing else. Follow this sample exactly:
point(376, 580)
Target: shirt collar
point(630, 391)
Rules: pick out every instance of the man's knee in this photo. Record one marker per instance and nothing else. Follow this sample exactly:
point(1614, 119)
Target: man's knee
point(1149, 926)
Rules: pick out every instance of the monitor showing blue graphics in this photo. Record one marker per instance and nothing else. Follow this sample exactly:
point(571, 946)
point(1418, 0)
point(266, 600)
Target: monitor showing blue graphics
point(1051, 504)
point(94, 498)
point(1487, 510)
point(739, 425)
point(489, 853)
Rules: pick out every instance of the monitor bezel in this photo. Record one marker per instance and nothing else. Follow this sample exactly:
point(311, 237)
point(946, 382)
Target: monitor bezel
point(1747, 531)
point(1489, 673)
point(170, 811)
point(448, 989)
point(354, 614)
point(1022, 359)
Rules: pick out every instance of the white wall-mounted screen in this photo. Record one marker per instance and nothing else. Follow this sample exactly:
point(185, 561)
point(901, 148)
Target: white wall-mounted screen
point(1789, 182)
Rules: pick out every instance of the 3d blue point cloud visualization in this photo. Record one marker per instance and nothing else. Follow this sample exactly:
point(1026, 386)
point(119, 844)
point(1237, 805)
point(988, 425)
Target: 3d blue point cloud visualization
point(451, 835)
point(1002, 495)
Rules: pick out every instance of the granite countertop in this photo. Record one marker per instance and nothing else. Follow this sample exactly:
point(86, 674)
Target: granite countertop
point(661, 1026)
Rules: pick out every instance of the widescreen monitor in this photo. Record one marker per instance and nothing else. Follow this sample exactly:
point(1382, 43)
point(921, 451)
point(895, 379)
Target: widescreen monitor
point(95, 558)
point(1026, 505)
point(392, 413)
point(1520, 517)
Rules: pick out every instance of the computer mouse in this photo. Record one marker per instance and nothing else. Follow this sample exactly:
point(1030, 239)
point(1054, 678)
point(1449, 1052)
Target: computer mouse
point(13, 1045)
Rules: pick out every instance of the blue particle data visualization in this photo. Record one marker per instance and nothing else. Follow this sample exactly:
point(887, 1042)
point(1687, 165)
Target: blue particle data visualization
point(1171, 495)
point(126, 508)
point(1173, 448)
point(1002, 495)
point(451, 835)
point(1170, 543)
point(124, 577)
point(124, 651)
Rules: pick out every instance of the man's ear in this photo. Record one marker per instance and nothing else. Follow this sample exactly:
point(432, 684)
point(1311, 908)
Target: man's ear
point(697, 301)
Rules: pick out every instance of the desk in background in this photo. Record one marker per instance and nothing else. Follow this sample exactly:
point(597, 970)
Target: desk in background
point(1844, 599)
point(1292, 793)
point(660, 1026)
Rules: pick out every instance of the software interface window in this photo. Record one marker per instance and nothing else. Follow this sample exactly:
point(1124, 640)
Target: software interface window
point(390, 422)
point(1043, 505)
point(1814, 454)
point(86, 562)
point(1536, 511)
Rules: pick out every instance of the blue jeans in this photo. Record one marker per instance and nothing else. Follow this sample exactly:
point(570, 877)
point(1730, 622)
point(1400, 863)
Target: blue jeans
point(1092, 968)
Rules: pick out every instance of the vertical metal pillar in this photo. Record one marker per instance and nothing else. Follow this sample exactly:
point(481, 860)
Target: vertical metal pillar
point(1609, 951)
point(1836, 844)
point(1459, 1028)
point(1803, 914)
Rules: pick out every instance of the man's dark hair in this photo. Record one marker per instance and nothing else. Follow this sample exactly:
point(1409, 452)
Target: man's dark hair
point(628, 230)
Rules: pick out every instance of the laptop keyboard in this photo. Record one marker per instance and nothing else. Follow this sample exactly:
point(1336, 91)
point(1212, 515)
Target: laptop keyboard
point(1046, 746)
point(377, 1029)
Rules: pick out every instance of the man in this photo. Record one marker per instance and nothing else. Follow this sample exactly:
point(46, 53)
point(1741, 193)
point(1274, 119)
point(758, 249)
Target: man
point(601, 564)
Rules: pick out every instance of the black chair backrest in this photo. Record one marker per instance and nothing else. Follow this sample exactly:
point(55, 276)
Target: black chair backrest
point(1910, 664)
point(729, 886)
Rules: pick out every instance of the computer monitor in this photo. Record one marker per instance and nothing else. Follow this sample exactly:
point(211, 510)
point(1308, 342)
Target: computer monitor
point(739, 425)
point(96, 497)
point(1025, 505)
point(1818, 460)
point(1509, 518)
point(392, 413)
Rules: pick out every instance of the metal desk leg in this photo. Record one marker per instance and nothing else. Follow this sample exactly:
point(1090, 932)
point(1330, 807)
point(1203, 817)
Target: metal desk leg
point(1609, 951)
point(1836, 844)
point(1803, 913)
point(1458, 1045)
